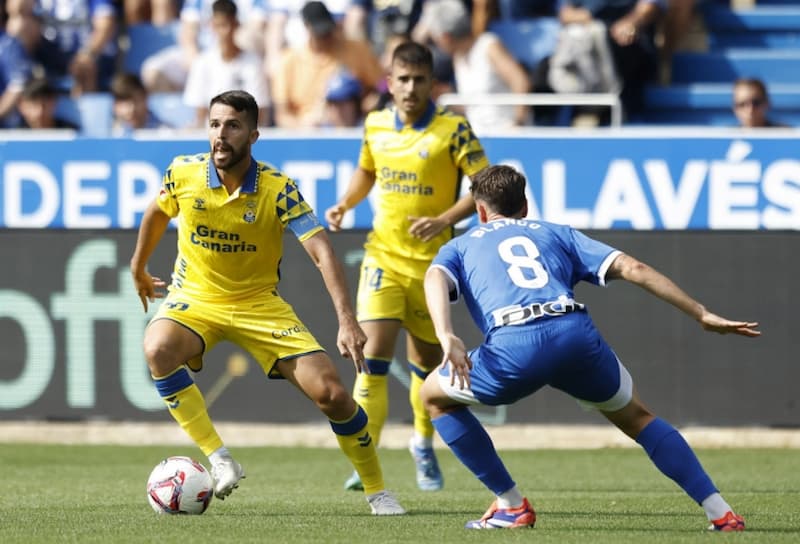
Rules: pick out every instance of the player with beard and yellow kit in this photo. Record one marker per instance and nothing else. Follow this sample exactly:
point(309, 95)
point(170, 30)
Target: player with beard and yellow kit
point(413, 157)
point(232, 213)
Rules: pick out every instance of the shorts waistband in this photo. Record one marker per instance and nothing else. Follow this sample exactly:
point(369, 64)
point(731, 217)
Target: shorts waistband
point(517, 314)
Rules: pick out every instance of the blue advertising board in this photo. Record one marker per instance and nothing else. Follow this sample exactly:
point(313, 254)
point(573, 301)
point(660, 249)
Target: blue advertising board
point(595, 180)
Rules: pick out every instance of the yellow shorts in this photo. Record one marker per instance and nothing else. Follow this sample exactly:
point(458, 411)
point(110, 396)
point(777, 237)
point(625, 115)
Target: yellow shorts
point(385, 294)
point(266, 327)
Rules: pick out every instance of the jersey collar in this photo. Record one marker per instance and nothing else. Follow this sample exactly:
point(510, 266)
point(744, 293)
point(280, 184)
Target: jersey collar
point(420, 123)
point(249, 185)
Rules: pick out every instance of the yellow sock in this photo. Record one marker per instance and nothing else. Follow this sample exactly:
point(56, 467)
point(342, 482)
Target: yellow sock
point(371, 391)
point(188, 408)
point(357, 444)
point(422, 421)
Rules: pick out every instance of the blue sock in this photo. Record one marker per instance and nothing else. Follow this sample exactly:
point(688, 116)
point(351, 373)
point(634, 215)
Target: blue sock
point(468, 440)
point(674, 457)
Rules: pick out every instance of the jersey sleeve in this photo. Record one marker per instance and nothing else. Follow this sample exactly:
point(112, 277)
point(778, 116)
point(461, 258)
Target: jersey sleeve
point(295, 213)
point(365, 159)
point(466, 149)
point(594, 257)
point(449, 261)
point(167, 198)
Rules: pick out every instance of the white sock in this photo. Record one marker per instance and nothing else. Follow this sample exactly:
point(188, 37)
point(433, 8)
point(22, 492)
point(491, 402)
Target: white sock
point(510, 499)
point(715, 506)
point(422, 441)
point(218, 455)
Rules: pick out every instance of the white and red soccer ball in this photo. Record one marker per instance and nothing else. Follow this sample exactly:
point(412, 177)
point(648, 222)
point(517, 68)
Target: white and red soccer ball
point(180, 485)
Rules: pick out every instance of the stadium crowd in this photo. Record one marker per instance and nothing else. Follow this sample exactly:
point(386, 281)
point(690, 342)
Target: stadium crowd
point(314, 64)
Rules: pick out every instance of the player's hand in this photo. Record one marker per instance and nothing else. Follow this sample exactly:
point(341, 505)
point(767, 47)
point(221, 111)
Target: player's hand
point(334, 215)
point(426, 228)
point(714, 323)
point(351, 340)
point(455, 354)
point(148, 288)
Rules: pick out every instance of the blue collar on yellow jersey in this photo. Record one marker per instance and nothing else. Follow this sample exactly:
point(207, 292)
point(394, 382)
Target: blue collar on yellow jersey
point(250, 177)
point(422, 122)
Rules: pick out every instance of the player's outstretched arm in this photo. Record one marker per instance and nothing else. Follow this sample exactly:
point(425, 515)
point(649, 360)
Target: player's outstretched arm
point(631, 269)
point(350, 339)
point(360, 185)
point(437, 294)
point(151, 230)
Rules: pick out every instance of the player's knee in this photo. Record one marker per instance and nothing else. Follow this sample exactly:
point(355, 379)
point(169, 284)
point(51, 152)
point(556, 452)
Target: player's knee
point(429, 393)
point(333, 398)
point(160, 358)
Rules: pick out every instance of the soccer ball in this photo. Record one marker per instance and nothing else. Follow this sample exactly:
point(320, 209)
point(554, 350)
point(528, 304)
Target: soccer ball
point(179, 485)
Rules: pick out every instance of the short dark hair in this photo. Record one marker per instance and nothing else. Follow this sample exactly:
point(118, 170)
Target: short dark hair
point(240, 101)
point(413, 54)
point(501, 187)
point(39, 87)
point(125, 85)
point(224, 7)
point(753, 82)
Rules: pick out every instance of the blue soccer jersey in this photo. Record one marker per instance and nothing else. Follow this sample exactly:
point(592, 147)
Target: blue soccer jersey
point(515, 271)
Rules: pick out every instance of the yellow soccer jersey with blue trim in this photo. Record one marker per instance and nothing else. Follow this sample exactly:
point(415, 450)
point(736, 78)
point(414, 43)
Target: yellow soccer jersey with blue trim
point(418, 170)
point(230, 245)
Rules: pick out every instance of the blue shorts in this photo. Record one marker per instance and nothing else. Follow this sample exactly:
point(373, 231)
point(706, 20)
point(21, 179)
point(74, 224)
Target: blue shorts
point(565, 352)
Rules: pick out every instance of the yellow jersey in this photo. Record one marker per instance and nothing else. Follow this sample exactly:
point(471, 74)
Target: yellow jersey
point(418, 171)
point(230, 245)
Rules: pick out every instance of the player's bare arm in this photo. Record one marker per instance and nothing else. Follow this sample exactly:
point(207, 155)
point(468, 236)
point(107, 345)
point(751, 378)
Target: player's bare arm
point(631, 269)
point(351, 338)
point(360, 185)
point(437, 294)
point(151, 230)
point(426, 228)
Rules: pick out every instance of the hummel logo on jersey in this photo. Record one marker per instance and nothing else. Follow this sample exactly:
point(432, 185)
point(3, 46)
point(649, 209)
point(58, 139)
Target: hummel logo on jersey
point(199, 204)
point(364, 440)
point(363, 392)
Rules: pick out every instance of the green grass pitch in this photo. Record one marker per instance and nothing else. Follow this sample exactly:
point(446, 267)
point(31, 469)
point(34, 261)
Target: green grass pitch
point(85, 494)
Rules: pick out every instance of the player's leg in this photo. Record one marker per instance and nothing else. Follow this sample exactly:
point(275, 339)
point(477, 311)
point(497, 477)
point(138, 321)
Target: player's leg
point(673, 456)
point(601, 382)
point(380, 307)
point(167, 346)
point(423, 357)
point(471, 444)
point(316, 376)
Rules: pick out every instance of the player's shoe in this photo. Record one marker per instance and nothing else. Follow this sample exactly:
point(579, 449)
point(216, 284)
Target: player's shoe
point(383, 503)
point(226, 475)
point(727, 523)
point(353, 483)
point(429, 477)
point(505, 518)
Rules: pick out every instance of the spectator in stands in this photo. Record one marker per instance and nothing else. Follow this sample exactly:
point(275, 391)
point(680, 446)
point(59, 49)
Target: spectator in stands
point(224, 66)
point(168, 69)
point(286, 28)
point(481, 63)
point(486, 11)
point(343, 101)
point(751, 104)
point(298, 89)
point(377, 21)
point(76, 45)
point(38, 106)
point(155, 12)
point(15, 71)
point(130, 109)
point(630, 28)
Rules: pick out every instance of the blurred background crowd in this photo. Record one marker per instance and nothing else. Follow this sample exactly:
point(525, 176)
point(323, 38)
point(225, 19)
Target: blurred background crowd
point(108, 67)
